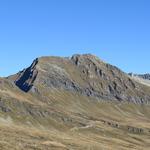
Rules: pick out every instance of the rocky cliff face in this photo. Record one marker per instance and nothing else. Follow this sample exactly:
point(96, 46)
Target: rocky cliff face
point(25, 78)
point(82, 74)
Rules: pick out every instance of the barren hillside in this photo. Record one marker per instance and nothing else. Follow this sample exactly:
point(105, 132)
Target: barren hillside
point(73, 103)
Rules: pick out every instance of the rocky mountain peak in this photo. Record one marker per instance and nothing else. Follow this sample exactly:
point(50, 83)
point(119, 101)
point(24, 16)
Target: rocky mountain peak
point(83, 74)
point(78, 59)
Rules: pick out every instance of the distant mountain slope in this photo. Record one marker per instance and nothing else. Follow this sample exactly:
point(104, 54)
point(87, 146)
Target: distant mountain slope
point(141, 78)
point(145, 76)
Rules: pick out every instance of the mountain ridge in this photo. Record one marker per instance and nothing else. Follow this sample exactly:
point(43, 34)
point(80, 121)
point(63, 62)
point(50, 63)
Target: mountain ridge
point(90, 76)
point(145, 76)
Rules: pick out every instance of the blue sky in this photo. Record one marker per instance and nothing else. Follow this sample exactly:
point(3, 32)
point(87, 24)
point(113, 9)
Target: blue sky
point(118, 31)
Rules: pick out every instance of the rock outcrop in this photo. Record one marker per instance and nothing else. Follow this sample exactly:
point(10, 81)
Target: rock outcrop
point(25, 78)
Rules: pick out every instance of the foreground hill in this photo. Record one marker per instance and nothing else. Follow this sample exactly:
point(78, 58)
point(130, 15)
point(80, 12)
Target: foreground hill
point(73, 103)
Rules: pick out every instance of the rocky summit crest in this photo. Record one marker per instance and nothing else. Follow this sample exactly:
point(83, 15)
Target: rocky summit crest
point(83, 74)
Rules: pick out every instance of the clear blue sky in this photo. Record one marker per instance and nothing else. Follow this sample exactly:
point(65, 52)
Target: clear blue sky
point(118, 31)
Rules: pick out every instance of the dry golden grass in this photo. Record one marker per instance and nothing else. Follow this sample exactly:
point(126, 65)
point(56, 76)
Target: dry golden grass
point(61, 120)
point(77, 123)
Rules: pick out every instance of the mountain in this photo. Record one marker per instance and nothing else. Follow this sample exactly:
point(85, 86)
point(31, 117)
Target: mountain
point(73, 103)
point(83, 74)
point(143, 76)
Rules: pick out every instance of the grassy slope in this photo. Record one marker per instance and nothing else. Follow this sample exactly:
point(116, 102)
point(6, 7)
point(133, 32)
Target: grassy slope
point(69, 121)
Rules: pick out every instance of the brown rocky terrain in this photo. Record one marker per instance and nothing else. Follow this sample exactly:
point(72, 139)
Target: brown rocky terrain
point(73, 103)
